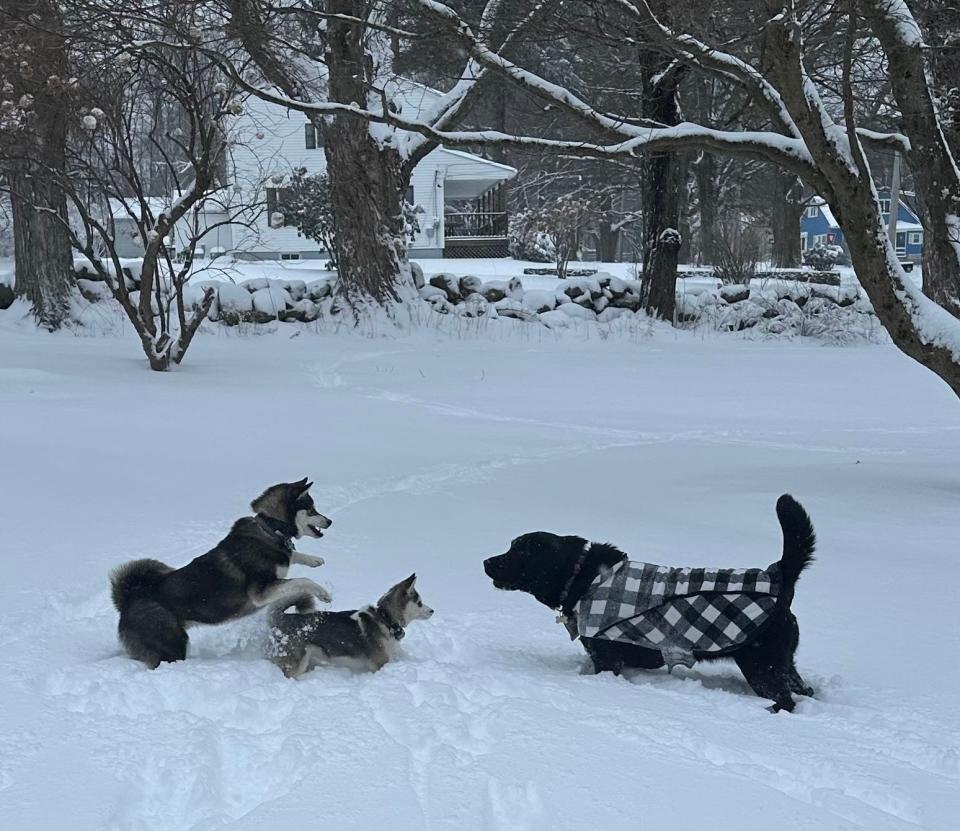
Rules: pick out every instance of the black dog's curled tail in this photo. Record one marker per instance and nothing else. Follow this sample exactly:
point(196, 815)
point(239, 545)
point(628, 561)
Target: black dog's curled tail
point(799, 539)
point(134, 580)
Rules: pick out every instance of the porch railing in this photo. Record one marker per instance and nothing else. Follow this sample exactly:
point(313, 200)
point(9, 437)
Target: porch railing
point(473, 225)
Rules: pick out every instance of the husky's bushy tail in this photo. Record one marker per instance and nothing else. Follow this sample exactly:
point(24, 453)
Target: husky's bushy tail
point(799, 539)
point(148, 630)
point(304, 603)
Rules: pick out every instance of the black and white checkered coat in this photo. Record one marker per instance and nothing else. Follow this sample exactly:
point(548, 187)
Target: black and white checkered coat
point(678, 611)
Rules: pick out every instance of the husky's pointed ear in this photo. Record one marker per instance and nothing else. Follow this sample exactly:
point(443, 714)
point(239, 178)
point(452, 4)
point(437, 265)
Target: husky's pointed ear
point(300, 485)
point(408, 583)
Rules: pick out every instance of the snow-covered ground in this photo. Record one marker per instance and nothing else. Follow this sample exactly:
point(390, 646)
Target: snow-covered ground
point(431, 451)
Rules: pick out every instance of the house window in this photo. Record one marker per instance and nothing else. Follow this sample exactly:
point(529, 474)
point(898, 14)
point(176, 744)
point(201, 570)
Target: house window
point(884, 206)
point(820, 239)
point(813, 212)
point(803, 241)
point(916, 238)
point(312, 137)
point(276, 197)
point(289, 256)
point(408, 195)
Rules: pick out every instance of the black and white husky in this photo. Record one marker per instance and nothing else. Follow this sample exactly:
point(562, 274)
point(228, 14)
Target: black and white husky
point(244, 572)
point(362, 639)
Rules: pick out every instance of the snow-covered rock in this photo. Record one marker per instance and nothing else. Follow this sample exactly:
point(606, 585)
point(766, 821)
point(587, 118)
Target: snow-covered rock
point(255, 284)
point(234, 298)
point(450, 283)
point(576, 311)
point(476, 305)
point(610, 314)
point(318, 290)
point(470, 285)
point(91, 290)
point(734, 292)
point(494, 290)
point(430, 292)
point(417, 272)
point(510, 307)
point(556, 320)
point(271, 300)
point(539, 300)
point(297, 289)
point(304, 311)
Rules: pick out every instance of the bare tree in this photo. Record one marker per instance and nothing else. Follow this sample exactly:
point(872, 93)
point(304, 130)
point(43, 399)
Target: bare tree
point(178, 104)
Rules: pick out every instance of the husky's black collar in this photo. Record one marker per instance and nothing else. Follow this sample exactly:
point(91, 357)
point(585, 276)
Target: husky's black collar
point(283, 531)
point(395, 628)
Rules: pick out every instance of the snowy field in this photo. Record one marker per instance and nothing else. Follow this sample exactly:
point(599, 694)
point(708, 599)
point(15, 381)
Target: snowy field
point(430, 451)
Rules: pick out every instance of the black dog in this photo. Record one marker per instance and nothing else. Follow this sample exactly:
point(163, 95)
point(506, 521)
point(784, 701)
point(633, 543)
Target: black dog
point(243, 573)
point(561, 572)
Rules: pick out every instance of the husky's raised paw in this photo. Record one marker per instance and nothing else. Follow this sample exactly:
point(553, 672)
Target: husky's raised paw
point(308, 560)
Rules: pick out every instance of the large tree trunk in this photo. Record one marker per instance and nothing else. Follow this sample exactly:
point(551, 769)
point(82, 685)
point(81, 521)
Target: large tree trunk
point(44, 267)
point(608, 236)
point(707, 196)
point(879, 272)
point(933, 166)
point(662, 175)
point(785, 215)
point(367, 181)
point(44, 259)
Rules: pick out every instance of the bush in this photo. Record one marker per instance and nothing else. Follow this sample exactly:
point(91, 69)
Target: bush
point(822, 257)
point(307, 206)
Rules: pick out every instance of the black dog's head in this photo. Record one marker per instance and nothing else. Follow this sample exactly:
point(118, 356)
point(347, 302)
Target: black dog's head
point(290, 504)
point(540, 564)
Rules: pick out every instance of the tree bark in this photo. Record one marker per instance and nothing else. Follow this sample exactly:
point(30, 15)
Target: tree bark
point(662, 175)
point(607, 235)
point(42, 252)
point(707, 196)
point(35, 157)
point(931, 162)
point(785, 215)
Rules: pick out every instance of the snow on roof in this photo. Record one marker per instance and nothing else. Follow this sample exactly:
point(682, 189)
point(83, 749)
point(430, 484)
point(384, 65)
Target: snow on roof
point(509, 172)
point(825, 210)
point(124, 208)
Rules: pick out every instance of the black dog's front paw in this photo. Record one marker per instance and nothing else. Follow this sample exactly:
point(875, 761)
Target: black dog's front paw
point(787, 705)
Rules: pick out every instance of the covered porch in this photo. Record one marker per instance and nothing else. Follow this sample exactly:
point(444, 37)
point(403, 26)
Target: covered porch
point(475, 218)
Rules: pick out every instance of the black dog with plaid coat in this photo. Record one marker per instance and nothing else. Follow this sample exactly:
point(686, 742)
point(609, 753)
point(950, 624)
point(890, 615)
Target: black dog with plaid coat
point(634, 614)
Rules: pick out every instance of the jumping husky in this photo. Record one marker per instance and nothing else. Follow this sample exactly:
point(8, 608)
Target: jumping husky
point(244, 572)
point(363, 639)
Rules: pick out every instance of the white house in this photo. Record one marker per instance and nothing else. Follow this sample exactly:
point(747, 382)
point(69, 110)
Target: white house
point(461, 194)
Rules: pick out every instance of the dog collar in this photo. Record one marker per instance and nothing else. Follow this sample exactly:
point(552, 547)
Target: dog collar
point(283, 531)
point(395, 628)
point(569, 618)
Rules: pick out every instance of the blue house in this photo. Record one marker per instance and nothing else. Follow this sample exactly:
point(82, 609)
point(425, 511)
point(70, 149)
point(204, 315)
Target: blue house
point(818, 225)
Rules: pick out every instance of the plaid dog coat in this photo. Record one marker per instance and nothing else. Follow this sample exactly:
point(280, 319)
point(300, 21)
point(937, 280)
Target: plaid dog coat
point(678, 611)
